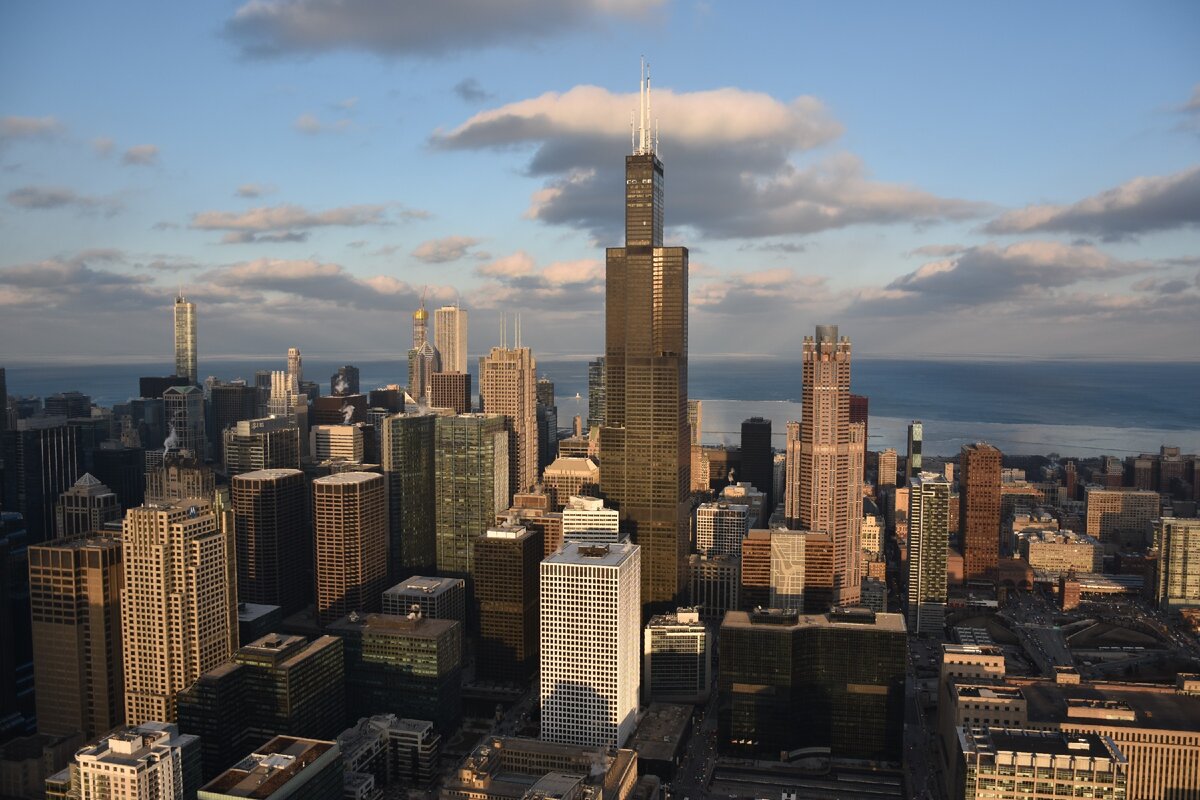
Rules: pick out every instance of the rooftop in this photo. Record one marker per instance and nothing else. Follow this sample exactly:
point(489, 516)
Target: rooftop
point(661, 731)
point(272, 767)
point(1157, 707)
point(348, 478)
point(266, 474)
point(394, 624)
point(419, 584)
point(841, 619)
point(1051, 743)
point(604, 555)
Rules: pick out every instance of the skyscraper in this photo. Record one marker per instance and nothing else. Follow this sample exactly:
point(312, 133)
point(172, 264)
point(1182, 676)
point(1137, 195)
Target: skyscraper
point(506, 589)
point(265, 443)
point(350, 526)
point(928, 538)
point(1177, 572)
point(229, 404)
point(407, 458)
point(825, 459)
point(295, 369)
point(41, 461)
point(508, 386)
point(787, 569)
point(590, 632)
point(450, 337)
point(274, 539)
point(979, 511)
point(645, 449)
point(597, 396)
point(344, 381)
point(184, 407)
point(185, 339)
point(178, 604)
point(450, 390)
point(471, 465)
point(758, 459)
point(85, 507)
point(75, 603)
point(423, 358)
point(912, 465)
point(886, 468)
point(149, 762)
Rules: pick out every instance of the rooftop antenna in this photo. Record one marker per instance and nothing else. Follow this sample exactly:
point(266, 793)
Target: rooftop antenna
point(503, 329)
point(643, 109)
point(632, 134)
point(518, 330)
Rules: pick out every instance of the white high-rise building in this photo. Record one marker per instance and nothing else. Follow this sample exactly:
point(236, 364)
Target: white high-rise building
point(450, 337)
point(720, 528)
point(141, 763)
point(928, 538)
point(585, 519)
point(185, 338)
point(336, 441)
point(590, 643)
point(787, 569)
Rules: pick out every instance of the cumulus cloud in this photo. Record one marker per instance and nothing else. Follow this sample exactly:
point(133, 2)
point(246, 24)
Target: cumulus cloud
point(937, 250)
point(988, 275)
point(1138, 206)
point(440, 251)
point(311, 124)
point(141, 155)
point(324, 282)
point(470, 90)
point(252, 190)
point(272, 28)
point(290, 223)
point(750, 293)
point(516, 281)
point(14, 127)
point(103, 146)
point(73, 282)
point(730, 156)
point(46, 198)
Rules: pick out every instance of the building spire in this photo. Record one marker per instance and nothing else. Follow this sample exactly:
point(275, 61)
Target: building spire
point(647, 136)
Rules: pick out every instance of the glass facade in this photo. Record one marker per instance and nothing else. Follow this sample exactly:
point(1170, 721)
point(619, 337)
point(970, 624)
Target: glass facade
point(407, 458)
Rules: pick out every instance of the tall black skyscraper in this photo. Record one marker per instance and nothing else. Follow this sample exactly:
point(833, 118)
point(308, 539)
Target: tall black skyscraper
point(645, 448)
point(596, 393)
point(758, 459)
point(41, 461)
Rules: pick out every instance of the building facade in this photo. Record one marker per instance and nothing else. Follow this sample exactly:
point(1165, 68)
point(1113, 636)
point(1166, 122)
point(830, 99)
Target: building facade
point(508, 386)
point(185, 340)
point(450, 324)
point(263, 443)
point(1177, 571)
point(979, 511)
point(676, 658)
point(720, 528)
point(350, 531)
point(928, 539)
point(506, 591)
point(274, 538)
point(471, 465)
point(407, 457)
point(85, 508)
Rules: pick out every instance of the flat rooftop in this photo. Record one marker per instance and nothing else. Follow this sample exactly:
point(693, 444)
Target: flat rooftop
point(767, 618)
point(591, 555)
point(1155, 707)
point(1054, 743)
point(428, 627)
point(661, 731)
point(419, 584)
point(272, 767)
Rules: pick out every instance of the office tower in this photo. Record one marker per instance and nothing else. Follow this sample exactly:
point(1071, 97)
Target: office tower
point(912, 464)
point(390, 397)
point(758, 458)
point(274, 538)
point(860, 412)
point(185, 340)
point(506, 590)
point(507, 386)
point(75, 604)
point(178, 604)
point(713, 583)
point(570, 477)
point(1121, 518)
point(230, 403)
point(408, 461)
point(184, 410)
point(790, 681)
point(345, 381)
point(698, 456)
point(1065, 764)
point(547, 423)
point(436, 598)
point(152, 386)
point(676, 658)
point(928, 538)
point(41, 461)
point(645, 447)
point(979, 511)
point(277, 684)
point(450, 390)
point(471, 468)
point(122, 469)
point(423, 358)
point(534, 510)
point(590, 631)
point(146, 762)
point(787, 570)
point(336, 441)
point(1177, 571)
point(178, 478)
point(871, 534)
point(71, 405)
point(285, 767)
point(825, 459)
point(1059, 552)
point(412, 666)
point(597, 397)
point(755, 589)
point(818, 571)
point(350, 526)
point(386, 750)
point(585, 516)
point(85, 508)
point(265, 443)
point(720, 528)
point(295, 369)
point(338, 410)
point(450, 337)
point(886, 469)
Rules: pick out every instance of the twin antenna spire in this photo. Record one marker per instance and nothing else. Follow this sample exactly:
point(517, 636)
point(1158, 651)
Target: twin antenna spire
point(643, 141)
point(504, 330)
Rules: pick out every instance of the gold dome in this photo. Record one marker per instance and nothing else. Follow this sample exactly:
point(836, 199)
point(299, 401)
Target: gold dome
point(421, 313)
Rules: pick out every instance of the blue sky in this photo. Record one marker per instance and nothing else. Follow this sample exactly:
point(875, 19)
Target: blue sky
point(939, 178)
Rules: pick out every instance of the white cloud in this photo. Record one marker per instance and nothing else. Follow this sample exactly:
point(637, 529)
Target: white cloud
point(289, 222)
point(141, 155)
point(446, 249)
point(14, 127)
point(311, 124)
point(46, 198)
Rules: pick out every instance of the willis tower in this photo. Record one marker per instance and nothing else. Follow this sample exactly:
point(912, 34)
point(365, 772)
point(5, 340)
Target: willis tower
point(645, 449)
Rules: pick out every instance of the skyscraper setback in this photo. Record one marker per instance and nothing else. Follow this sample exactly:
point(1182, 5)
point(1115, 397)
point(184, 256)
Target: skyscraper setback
point(645, 448)
point(825, 454)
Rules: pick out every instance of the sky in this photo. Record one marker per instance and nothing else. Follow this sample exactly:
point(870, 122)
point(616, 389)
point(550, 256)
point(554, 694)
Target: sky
point(940, 179)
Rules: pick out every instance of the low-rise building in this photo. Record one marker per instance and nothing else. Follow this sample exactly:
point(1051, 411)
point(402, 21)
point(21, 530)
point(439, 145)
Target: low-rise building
point(1059, 552)
point(285, 767)
point(511, 768)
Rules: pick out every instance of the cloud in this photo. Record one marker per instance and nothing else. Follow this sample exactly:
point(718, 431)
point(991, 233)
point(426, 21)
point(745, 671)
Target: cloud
point(730, 156)
point(516, 281)
point(312, 125)
point(273, 28)
point(440, 251)
point(937, 250)
point(753, 293)
point(1142, 205)
point(103, 146)
point(74, 283)
point(288, 223)
point(324, 282)
point(46, 198)
point(346, 105)
point(13, 127)
point(471, 91)
point(988, 275)
point(252, 190)
point(141, 155)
